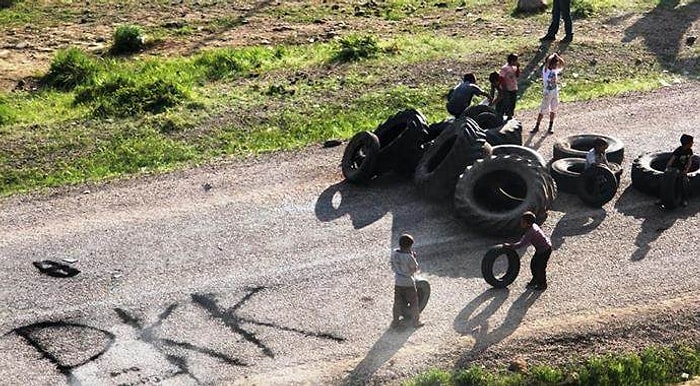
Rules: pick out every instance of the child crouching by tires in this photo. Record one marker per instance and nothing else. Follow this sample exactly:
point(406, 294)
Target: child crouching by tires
point(543, 249)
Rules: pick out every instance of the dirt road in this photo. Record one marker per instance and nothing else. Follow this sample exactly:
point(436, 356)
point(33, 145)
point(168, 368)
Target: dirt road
point(273, 271)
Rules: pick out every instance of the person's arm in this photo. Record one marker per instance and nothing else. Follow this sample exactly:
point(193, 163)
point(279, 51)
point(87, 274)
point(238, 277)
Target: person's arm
point(413, 263)
point(525, 240)
point(689, 163)
point(671, 160)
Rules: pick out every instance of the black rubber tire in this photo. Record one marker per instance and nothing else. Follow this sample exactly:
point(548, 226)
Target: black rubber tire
point(434, 129)
point(597, 185)
point(513, 266)
point(671, 193)
point(648, 170)
point(522, 151)
point(360, 158)
point(474, 111)
point(478, 198)
point(423, 289)
point(488, 120)
point(510, 133)
point(400, 140)
point(566, 173)
point(450, 153)
point(576, 146)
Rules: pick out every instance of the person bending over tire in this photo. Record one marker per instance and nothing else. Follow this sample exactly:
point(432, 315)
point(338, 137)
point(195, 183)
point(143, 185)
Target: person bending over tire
point(405, 266)
point(681, 160)
point(543, 249)
point(460, 97)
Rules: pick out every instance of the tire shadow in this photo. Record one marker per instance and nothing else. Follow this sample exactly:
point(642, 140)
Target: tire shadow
point(479, 325)
point(445, 246)
point(381, 352)
point(655, 220)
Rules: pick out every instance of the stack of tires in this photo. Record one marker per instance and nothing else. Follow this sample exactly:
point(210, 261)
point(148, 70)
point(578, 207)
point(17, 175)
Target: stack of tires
point(596, 185)
point(649, 172)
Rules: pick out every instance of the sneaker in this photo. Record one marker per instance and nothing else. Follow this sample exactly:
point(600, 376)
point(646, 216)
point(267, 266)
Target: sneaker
point(550, 131)
point(547, 38)
point(567, 39)
point(535, 129)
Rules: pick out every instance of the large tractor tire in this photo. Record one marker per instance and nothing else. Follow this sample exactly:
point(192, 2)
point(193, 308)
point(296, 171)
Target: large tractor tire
point(450, 153)
point(474, 111)
point(488, 263)
point(489, 120)
point(510, 133)
point(494, 192)
point(360, 158)
point(400, 142)
point(521, 151)
point(597, 185)
point(576, 146)
point(434, 129)
point(648, 171)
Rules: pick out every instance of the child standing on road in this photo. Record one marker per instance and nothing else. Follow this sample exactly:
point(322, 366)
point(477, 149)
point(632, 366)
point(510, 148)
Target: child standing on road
point(509, 85)
point(681, 159)
point(405, 266)
point(543, 249)
point(553, 64)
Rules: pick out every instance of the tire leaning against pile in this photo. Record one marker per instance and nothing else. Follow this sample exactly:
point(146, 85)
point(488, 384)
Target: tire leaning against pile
point(474, 111)
point(360, 158)
point(451, 152)
point(401, 138)
point(494, 192)
point(488, 120)
point(648, 171)
point(576, 146)
point(510, 133)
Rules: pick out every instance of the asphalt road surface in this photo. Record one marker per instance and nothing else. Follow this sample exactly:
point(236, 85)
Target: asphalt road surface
point(273, 271)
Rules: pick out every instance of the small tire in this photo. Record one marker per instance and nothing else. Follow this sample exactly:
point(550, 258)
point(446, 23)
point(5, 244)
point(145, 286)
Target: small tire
point(488, 261)
point(576, 146)
point(423, 289)
point(522, 151)
point(360, 158)
point(671, 188)
point(597, 185)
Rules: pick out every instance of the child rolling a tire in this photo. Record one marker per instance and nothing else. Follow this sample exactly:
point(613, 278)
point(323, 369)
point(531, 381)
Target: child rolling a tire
point(543, 249)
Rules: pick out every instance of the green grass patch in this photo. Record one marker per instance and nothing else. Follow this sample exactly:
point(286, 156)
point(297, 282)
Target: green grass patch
point(650, 367)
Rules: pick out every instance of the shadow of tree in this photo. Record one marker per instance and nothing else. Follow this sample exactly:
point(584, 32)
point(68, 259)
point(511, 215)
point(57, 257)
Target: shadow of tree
point(478, 325)
point(665, 38)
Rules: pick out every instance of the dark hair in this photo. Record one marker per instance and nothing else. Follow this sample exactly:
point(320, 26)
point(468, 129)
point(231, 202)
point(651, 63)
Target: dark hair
point(469, 77)
point(599, 142)
point(405, 241)
point(529, 217)
point(512, 57)
point(494, 77)
point(686, 139)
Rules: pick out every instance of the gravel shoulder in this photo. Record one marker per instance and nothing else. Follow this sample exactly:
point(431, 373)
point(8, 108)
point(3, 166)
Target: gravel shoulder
point(308, 254)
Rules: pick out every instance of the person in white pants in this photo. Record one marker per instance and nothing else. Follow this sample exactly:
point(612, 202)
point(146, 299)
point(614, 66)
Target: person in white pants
point(551, 69)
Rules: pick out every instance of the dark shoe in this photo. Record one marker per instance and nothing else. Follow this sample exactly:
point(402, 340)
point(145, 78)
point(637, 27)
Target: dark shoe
point(531, 284)
point(550, 131)
point(535, 129)
point(567, 39)
point(540, 287)
point(547, 38)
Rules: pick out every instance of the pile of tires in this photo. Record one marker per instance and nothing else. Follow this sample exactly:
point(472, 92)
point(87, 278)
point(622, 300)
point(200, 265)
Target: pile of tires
point(456, 147)
point(494, 192)
point(395, 145)
point(648, 173)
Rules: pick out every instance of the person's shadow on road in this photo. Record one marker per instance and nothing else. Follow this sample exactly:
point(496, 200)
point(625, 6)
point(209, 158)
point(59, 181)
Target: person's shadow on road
point(478, 325)
point(383, 350)
point(575, 222)
point(655, 220)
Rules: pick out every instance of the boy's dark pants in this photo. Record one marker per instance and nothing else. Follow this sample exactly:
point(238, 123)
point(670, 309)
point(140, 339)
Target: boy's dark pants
point(538, 266)
point(507, 104)
point(402, 297)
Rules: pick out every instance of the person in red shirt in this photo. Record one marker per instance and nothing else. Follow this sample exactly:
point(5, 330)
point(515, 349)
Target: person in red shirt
point(509, 85)
point(543, 249)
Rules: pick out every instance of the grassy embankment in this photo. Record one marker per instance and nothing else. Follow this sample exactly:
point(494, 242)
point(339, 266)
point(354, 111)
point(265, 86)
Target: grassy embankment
point(99, 117)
